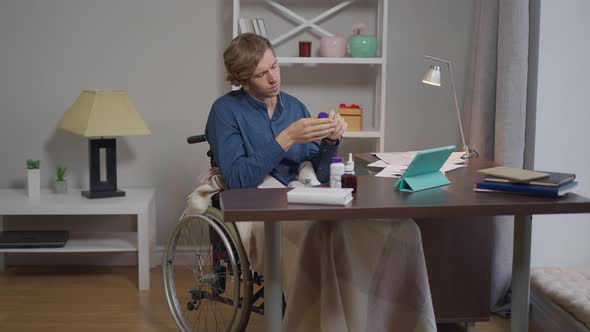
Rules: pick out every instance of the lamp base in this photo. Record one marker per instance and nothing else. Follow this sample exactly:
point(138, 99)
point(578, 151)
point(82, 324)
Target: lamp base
point(469, 153)
point(102, 194)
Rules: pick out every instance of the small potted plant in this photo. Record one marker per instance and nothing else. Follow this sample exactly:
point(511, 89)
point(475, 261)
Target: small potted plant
point(61, 184)
point(33, 178)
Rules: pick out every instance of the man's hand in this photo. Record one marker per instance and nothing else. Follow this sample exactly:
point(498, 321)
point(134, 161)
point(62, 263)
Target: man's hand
point(340, 126)
point(305, 130)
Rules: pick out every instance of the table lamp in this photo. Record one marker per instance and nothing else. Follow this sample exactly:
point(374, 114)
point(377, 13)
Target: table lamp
point(433, 77)
point(101, 116)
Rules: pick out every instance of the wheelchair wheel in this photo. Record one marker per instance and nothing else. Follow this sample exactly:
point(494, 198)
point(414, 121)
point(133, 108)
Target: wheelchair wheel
point(207, 280)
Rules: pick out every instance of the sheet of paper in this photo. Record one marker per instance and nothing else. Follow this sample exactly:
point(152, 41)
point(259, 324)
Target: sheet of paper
point(455, 158)
point(397, 158)
point(378, 163)
point(392, 172)
point(395, 163)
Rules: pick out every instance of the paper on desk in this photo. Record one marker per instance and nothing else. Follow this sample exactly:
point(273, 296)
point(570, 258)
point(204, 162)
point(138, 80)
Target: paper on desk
point(405, 158)
point(397, 158)
point(378, 163)
point(392, 171)
point(397, 162)
point(455, 158)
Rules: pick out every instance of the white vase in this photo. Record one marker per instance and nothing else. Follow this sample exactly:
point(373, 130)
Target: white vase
point(34, 183)
point(61, 187)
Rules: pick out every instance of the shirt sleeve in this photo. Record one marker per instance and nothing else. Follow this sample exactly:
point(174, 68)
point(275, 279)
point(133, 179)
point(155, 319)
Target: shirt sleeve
point(238, 169)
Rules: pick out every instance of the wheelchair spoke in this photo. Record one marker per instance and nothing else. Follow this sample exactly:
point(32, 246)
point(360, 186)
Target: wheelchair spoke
point(203, 278)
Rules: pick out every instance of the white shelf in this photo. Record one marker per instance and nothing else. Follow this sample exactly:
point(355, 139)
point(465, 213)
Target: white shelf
point(121, 242)
point(322, 60)
point(140, 203)
point(363, 134)
point(16, 202)
point(304, 21)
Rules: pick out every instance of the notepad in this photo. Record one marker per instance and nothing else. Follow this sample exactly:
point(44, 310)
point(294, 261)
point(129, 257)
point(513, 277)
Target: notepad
point(515, 174)
point(312, 195)
point(553, 180)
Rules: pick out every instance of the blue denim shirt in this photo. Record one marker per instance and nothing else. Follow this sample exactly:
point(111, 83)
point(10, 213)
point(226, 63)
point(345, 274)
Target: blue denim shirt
point(242, 140)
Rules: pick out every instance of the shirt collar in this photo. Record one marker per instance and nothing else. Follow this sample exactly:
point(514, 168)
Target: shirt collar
point(262, 105)
point(253, 101)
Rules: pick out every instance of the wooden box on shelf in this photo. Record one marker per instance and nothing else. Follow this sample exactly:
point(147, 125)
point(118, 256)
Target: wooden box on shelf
point(353, 115)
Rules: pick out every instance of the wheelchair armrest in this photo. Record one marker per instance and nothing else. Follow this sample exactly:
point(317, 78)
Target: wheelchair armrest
point(196, 139)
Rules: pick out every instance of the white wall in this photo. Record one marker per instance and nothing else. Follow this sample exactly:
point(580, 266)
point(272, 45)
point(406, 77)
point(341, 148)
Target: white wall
point(167, 55)
point(562, 123)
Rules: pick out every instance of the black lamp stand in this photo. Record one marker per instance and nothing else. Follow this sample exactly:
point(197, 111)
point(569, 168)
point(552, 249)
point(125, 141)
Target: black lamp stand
point(98, 188)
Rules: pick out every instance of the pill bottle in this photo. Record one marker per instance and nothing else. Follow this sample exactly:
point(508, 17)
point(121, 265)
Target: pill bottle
point(336, 171)
point(349, 178)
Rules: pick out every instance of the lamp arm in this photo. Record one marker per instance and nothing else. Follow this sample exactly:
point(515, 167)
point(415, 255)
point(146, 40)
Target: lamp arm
point(437, 59)
point(457, 108)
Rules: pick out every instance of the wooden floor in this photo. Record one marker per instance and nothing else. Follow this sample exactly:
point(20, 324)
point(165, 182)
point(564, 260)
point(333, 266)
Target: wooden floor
point(102, 299)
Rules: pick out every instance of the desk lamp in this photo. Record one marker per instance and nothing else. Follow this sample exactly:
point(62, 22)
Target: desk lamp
point(101, 116)
point(432, 77)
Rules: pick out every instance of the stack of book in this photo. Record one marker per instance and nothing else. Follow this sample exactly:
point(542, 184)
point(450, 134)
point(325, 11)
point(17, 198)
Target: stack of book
point(255, 25)
point(523, 181)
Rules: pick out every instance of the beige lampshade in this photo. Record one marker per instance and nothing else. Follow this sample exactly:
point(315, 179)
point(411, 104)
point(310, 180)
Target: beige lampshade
point(103, 114)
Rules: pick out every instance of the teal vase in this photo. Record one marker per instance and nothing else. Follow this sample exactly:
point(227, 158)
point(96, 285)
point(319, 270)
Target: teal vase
point(363, 46)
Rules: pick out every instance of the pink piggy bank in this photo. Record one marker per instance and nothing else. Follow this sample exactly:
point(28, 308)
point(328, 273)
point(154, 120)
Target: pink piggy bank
point(333, 47)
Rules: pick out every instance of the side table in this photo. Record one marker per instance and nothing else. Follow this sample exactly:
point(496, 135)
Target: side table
point(139, 202)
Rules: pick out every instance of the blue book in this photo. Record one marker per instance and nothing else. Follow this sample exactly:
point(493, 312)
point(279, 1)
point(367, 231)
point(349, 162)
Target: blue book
point(523, 188)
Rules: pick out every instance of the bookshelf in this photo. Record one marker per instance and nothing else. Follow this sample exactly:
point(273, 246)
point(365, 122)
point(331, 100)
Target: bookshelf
point(289, 21)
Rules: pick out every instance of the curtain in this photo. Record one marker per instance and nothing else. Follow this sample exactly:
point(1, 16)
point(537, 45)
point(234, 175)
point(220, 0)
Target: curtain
point(496, 109)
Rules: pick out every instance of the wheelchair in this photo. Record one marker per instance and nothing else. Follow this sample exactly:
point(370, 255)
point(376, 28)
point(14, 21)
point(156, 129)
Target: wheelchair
point(207, 278)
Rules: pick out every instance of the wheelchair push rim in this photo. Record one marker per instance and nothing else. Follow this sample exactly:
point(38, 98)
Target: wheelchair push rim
point(205, 305)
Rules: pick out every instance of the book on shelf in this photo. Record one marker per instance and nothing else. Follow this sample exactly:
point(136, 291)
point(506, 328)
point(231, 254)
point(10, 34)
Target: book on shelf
point(255, 26)
point(523, 188)
point(313, 195)
point(554, 179)
point(262, 28)
point(243, 25)
point(251, 26)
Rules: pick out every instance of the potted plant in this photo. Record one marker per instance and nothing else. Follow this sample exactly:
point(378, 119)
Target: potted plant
point(33, 178)
point(61, 184)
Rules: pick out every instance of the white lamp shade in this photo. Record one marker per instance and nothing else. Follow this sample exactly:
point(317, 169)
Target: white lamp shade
point(103, 114)
point(432, 76)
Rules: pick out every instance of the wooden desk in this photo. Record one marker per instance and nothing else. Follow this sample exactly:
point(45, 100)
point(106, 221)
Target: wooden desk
point(376, 198)
point(458, 253)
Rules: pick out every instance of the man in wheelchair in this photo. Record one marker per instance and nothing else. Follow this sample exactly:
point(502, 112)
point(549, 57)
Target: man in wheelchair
point(363, 275)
